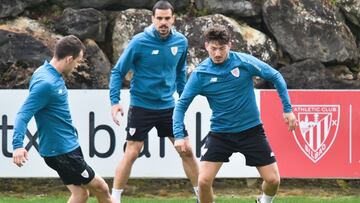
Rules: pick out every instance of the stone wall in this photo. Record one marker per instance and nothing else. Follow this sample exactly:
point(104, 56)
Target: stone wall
point(314, 44)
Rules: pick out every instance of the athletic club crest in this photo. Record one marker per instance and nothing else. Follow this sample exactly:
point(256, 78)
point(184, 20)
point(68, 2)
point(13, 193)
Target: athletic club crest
point(235, 72)
point(318, 127)
point(174, 50)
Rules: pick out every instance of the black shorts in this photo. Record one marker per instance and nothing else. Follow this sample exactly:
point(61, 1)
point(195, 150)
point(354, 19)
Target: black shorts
point(141, 121)
point(71, 167)
point(252, 143)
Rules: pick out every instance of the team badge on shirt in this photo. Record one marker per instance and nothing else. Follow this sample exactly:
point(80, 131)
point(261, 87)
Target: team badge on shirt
point(235, 72)
point(174, 50)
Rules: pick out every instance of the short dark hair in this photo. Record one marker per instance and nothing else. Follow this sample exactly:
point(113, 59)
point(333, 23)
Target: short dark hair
point(217, 33)
point(163, 5)
point(68, 46)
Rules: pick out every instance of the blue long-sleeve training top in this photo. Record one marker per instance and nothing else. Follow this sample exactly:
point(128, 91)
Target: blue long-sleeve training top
point(158, 66)
point(229, 90)
point(48, 103)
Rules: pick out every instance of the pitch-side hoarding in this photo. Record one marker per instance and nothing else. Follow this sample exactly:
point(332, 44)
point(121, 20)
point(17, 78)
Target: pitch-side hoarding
point(325, 145)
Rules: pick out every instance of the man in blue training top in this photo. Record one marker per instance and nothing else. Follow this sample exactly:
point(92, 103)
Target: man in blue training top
point(58, 138)
point(157, 58)
point(225, 79)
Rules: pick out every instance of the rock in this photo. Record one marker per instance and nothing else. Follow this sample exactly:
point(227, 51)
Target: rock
point(341, 72)
point(94, 74)
point(311, 74)
point(239, 8)
point(83, 23)
point(351, 9)
point(178, 5)
point(24, 46)
point(21, 48)
point(127, 23)
point(83, 3)
point(12, 8)
point(310, 29)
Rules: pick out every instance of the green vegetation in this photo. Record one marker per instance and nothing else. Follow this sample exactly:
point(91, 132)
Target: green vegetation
point(334, 2)
point(195, 12)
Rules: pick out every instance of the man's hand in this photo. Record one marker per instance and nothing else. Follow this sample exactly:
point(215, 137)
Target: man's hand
point(20, 156)
point(182, 145)
point(114, 111)
point(290, 119)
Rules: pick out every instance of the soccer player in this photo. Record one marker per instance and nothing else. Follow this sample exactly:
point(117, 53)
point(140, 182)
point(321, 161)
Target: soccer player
point(58, 139)
point(225, 79)
point(157, 58)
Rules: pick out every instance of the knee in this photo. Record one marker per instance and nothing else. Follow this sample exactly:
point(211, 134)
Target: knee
point(103, 189)
point(273, 180)
point(132, 150)
point(102, 186)
point(85, 194)
point(131, 155)
point(81, 195)
point(204, 182)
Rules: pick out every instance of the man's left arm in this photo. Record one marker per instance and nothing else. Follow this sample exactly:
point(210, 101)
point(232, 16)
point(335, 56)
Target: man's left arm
point(265, 71)
point(268, 73)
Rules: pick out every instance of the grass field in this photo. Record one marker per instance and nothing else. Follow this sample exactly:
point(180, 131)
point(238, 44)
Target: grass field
point(292, 199)
point(43, 190)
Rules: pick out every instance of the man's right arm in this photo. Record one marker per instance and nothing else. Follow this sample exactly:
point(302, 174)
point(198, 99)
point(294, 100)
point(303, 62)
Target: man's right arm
point(38, 98)
point(192, 88)
point(123, 65)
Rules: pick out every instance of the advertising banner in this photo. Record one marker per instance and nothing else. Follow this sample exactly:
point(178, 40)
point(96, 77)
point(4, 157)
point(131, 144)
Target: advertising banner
point(103, 142)
point(326, 143)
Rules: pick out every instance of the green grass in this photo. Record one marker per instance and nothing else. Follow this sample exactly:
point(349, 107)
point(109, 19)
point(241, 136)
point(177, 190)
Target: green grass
point(291, 199)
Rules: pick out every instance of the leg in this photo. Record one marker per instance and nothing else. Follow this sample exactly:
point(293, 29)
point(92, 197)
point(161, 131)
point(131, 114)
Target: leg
point(190, 165)
point(79, 194)
point(271, 177)
point(123, 169)
point(208, 171)
point(139, 123)
point(100, 189)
